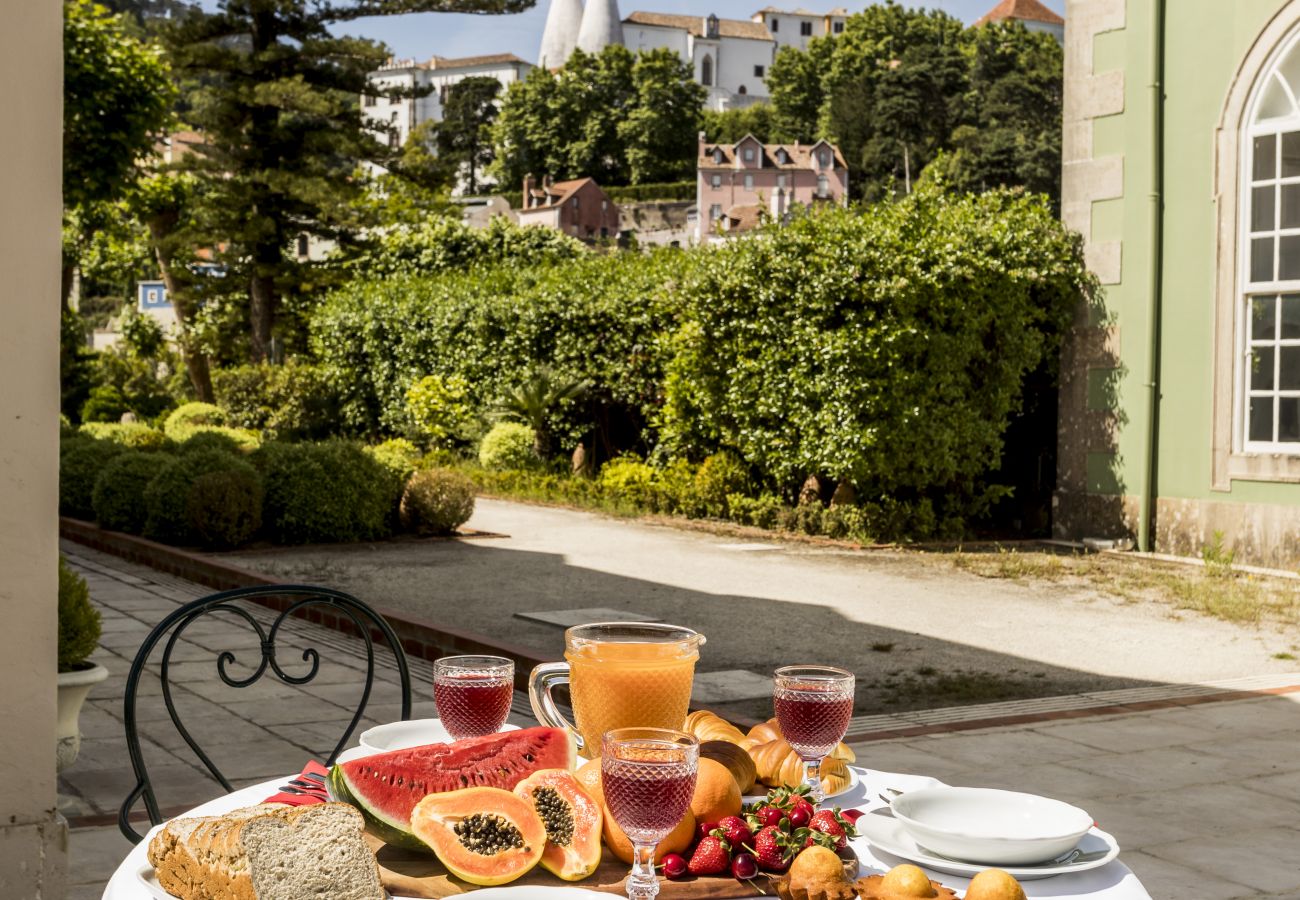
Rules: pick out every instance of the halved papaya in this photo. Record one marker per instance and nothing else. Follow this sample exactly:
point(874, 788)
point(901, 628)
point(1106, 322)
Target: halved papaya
point(483, 835)
point(573, 819)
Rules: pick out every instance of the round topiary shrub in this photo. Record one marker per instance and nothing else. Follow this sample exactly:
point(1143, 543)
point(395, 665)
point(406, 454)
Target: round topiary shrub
point(509, 445)
point(136, 435)
point(219, 437)
point(186, 418)
point(627, 478)
point(118, 497)
point(167, 495)
point(80, 464)
point(437, 501)
point(325, 492)
point(224, 508)
point(79, 621)
point(398, 455)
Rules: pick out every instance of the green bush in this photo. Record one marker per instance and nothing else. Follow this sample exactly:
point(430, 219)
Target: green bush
point(718, 477)
point(398, 455)
point(289, 401)
point(509, 445)
point(167, 494)
point(762, 511)
point(437, 501)
point(224, 508)
point(66, 427)
point(79, 621)
point(324, 492)
point(106, 403)
point(667, 191)
point(439, 409)
point(446, 244)
point(219, 437)
point(136, 435)
point(184, 420)
point(81, 460)
point(627, 478)
point(118, 497)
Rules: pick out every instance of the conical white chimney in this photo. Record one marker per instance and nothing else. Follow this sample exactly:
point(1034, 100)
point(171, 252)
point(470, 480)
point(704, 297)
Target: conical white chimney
point(601, 26)
point(560, 35)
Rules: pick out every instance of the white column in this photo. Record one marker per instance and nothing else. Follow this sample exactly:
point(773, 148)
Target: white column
point(33, 837)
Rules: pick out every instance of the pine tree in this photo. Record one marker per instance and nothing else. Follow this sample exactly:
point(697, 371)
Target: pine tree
point(464, 136)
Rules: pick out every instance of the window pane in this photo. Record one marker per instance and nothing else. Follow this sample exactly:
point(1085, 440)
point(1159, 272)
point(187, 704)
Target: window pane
point(1288, 257)
point(1261, 259)
point(1261, 419)
point(1265, 158)
point(1261, 207)
point(1291, 154)
point(1291, 316)
point(1291, 206)
point(1263, 318)
point(1288, 375)
point(1288, 419)
point(1275, 104)
point(1261, 369)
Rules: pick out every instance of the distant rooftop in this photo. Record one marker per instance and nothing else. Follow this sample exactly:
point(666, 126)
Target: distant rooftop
point(1023, 10)
point(462, 62)
point(737, 28)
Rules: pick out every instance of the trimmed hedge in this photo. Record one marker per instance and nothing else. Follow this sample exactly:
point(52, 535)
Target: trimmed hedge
point(437, 501)
point(129, 434)
point(224, 508)
point(324, 492)
point(186, 418)
point(118, 497)
point(167, 494)
point(81, 460)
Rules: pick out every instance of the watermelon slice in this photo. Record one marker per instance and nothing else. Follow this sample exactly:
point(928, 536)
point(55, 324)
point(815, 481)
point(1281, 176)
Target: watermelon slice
point(386, 786)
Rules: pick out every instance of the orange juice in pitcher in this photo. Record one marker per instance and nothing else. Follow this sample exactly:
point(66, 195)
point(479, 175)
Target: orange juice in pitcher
point(620, 675)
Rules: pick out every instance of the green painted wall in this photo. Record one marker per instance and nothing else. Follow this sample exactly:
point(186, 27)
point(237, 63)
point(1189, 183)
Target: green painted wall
point(1205, 43)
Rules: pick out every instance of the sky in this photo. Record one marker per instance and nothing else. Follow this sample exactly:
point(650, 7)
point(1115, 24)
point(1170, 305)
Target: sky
point(422, 35)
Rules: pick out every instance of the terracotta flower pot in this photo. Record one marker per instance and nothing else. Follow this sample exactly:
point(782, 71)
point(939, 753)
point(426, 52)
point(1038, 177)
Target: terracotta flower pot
point(73, 688)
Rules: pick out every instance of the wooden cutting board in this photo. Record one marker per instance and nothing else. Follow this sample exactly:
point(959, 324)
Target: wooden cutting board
point(409, 873)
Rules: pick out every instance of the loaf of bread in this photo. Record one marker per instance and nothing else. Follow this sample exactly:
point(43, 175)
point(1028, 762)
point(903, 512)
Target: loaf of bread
point(268, 852)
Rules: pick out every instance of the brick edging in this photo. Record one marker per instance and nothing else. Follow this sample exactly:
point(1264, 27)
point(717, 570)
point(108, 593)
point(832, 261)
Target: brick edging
point(421, 639)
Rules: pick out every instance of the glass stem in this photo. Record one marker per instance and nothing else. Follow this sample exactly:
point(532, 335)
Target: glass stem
point(642, 883)
point(812, 777)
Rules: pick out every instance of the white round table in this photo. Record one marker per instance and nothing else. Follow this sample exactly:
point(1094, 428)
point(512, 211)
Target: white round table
point(1113, 881)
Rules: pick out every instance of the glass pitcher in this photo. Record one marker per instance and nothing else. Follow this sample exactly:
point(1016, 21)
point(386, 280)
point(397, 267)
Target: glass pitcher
point(620, 675)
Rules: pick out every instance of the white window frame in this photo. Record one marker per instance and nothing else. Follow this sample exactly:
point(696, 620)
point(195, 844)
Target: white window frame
point(749, 181)
point(715, 181)
point(1248, 291)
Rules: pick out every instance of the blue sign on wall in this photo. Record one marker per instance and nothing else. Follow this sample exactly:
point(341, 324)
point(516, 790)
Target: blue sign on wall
point(152, 295)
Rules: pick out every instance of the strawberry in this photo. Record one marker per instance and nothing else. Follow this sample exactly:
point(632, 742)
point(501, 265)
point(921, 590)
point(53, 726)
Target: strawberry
point(852, 815)
point(830, 823)
point(712, 856)
point(773, 849)
point(734, 830)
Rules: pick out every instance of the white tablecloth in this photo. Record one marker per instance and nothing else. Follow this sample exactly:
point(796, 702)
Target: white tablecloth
point(1110, 882)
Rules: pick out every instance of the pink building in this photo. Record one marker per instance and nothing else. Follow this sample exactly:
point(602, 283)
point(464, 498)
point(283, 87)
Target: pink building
point(578, 208)
point(741, 184)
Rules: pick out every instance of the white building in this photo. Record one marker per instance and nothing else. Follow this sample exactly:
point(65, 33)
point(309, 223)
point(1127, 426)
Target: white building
point(796, 27)
point(730, 57)
point(439, 73)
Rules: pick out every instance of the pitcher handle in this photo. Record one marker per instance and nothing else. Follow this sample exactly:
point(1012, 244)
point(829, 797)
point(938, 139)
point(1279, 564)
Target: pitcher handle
point(545, 710)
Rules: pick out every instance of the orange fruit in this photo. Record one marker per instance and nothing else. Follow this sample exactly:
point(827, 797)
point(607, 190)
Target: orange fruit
point(716, 792)
point(677, 841)
point(588, 775)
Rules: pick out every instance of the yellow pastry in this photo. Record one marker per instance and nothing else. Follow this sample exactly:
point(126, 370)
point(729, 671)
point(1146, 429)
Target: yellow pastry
point(904, 882)
point(816, 874)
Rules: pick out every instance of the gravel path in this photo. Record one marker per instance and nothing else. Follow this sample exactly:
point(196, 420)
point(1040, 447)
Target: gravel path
point(917, 632)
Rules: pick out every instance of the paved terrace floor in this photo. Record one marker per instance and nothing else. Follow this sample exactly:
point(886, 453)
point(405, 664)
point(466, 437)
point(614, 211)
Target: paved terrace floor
point(1204, 798)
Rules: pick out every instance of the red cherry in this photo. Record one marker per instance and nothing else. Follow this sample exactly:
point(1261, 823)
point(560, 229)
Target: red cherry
point(674, 866)
point(800, 816)
point(770, 815)
point(703, 830)
point(744, 866)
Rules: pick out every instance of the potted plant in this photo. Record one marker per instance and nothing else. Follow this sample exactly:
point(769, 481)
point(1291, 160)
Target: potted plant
point(79, 629)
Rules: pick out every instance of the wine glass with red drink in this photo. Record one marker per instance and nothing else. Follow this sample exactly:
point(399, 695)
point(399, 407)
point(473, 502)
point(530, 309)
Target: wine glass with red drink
point(473, 693)
point(648, 778)
point(813, 707)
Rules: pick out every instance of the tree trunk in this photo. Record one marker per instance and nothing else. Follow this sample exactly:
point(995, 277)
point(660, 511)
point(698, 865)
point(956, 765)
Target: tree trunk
point(261, 314)
point(196, 363)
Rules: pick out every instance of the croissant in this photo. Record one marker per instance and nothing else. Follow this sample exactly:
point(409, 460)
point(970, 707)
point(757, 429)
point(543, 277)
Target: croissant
point(708, 726)
point(770, 730)
point(777, 764)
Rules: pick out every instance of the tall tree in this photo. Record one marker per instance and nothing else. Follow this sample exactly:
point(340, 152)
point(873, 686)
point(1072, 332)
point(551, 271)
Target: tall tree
point(116, 104)
point(727, 126)
point(464, 136)
point(795, 82)
point(276, 98)
point(1014, 136)
point(660, 131)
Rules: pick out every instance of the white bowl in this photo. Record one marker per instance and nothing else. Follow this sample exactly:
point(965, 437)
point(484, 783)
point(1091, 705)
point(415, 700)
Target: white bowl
point(989, 826)
point(412, 733)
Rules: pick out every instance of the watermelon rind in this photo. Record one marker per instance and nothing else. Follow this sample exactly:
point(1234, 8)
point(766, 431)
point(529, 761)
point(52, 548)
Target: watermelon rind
point(444, 767)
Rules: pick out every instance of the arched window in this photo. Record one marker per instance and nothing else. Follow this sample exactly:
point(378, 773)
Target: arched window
point(706, 71)
point(1268, 374)
point(742, 91)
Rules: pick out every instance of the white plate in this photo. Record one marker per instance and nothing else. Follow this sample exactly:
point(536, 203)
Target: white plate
point(854, 780)
point(411, 733)
point(887, 834)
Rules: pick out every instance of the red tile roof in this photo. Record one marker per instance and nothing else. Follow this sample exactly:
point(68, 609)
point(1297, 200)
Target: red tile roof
point(737, 28)
point(1024, 10)
point(557, 193)
point(796, 156)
